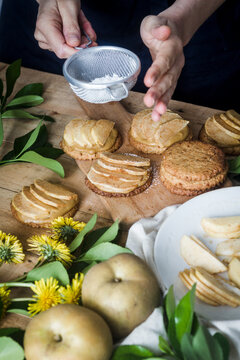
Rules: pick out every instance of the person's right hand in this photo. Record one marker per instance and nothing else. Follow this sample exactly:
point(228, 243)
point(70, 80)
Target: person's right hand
point(59, 26)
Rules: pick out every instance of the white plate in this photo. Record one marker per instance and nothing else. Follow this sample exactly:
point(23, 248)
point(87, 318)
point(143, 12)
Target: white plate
point(186, 221)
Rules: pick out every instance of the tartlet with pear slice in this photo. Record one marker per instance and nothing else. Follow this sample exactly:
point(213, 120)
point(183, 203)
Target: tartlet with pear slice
point(119, 175)
point(40, 203)
point(223, 130)
point(154, 137)
point(84, 139)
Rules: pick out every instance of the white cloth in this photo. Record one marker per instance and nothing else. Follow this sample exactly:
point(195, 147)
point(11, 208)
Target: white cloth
point(141, 240)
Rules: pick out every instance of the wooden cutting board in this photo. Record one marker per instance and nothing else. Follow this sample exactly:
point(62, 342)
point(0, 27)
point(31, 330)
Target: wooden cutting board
point(148, 203)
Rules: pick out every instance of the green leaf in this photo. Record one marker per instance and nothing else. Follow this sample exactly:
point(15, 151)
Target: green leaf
point(49, 151)
point(19, 312)
point(164, 346)
point(54, 269)
point(32, 138)
point(19, 114)
point(169, 303)
point(1, 130)
point(15, 333)
point(224, 343)
point(92, 237)
point(234, 165)
point(139, 352)
point(41, 140)
point(10, 349)
point(187, 348)
point(30, 89)
point(44, 117)
point(103, 252)
point(110, 234)
point(1, 88)
point(33, 157)
point(79, 238)
point(12, 74)
point(206, 346)
point(172, 336)
point(25, 101)
point(183, 314)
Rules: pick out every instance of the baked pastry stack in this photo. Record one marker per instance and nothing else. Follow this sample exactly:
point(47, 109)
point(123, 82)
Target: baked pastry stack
point(84, 139)
point(117, 175)
point(223, 130)
point(40, 203)
point(153, 137)
point(192, 167)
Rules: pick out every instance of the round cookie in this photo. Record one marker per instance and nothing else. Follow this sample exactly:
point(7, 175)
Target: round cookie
point(192, 167)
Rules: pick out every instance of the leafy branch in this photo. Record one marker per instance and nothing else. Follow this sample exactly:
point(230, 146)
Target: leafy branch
point(187, 338)
point(32, 147)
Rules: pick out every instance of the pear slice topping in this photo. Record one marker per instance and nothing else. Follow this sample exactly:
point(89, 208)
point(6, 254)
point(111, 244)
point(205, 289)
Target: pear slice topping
point(125, 159)
point(28, 195)
point(54, 190)
point(101, 131)
point(26, 209)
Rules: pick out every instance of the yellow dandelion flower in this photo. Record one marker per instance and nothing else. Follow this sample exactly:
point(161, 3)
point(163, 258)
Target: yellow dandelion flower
point(11, 250)
point(66, 228)
point(72, 294)
point(4, 300)
point(46, 295)
point(50, 249)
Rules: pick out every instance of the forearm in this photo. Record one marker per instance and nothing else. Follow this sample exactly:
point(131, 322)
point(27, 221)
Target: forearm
point(189, 15)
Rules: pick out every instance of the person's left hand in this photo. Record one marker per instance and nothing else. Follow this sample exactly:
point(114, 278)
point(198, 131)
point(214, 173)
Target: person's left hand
point(163, 39)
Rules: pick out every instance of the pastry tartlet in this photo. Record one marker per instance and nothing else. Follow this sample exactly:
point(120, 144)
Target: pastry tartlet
point(118, 175)
point(40, 203)
point(155, 137)
point(223, 130)
point(85, 139)
point(192, 167)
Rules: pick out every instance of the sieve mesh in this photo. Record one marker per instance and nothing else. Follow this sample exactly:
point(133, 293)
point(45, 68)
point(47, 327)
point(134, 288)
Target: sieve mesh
point(99, 62)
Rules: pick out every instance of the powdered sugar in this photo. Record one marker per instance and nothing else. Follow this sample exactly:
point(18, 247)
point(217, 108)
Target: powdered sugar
point(107, 79)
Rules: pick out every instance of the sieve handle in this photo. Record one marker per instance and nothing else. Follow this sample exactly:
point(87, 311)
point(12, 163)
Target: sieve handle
point(87, 44)
point(124, 95)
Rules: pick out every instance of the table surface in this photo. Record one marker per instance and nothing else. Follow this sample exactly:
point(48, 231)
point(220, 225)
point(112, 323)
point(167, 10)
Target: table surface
point(61, 104)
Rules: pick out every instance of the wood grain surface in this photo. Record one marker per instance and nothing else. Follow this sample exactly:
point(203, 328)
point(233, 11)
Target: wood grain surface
point(61, 104)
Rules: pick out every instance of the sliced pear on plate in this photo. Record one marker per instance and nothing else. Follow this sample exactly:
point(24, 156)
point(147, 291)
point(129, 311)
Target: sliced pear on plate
point(234, 271)
point(228, 226)
point(197, 254)
point(228, 247)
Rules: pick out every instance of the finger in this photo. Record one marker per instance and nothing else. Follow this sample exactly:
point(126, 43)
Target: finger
point(87, 27)
point(43, 45)
point(165, 59)
point(164, 83)
point(39, 36)
point(161, 106)
point(69, 11)
point(161, 32)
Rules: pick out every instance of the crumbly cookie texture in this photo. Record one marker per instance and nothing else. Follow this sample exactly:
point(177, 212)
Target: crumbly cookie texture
point(192, 167)
point(118, 175)
point(223, 130)
point(153, 137)
point(40, 203)
point(84, 139)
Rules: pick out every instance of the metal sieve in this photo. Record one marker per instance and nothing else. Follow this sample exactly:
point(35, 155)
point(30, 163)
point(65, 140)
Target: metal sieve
point(100, 62)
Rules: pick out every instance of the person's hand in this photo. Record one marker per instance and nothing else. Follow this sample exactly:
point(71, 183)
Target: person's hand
point(166, 48)
point(59, 27)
